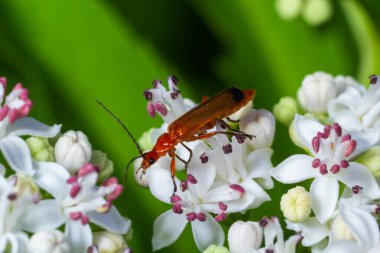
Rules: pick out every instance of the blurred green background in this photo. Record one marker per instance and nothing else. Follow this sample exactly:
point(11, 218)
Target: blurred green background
point(69, 53)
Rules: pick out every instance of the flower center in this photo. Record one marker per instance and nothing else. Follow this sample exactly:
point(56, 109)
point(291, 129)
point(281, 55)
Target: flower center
point(333, 149)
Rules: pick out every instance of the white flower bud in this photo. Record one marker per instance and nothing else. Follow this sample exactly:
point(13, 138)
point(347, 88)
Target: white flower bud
point(296, 204)
point(48, 242)
point(342, 82)
point(371, 159)
point(241, 112)
point(216, 249)
point(106, 166)
point(285, 110)
point(317, 12)
point(261, 124)
point(244, 236)
point(73, 150)
point(340, 230)
point(316, 91)
point(289, 9)
point(40, 149)
point(25, 185)
point(108, 242)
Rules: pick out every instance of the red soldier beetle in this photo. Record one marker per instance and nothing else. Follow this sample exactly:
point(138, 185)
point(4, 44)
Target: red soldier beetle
point(193, 125)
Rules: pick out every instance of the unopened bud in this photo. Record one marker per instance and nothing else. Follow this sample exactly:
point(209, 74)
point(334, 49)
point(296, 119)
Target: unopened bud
point(108, 242)
point(296, 204)
point(317, 12)
point(106, 166)
point(48, 241)
point(260, 124)
point(285, 110)
point(288, 9)
point(73, 150)
point(216, 249)
point(40, 149)
point(316, 91)
point(244, 236)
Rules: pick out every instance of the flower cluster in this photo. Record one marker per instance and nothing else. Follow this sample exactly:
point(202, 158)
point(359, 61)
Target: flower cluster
point(224, 175)
point(53, 186)
point(340, 131)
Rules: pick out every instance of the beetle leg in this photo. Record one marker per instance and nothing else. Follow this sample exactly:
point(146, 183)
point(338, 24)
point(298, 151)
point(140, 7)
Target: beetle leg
point(190, 154)
point(210, 134)
point(225, 125)
point(172, 168)
point(233, 121)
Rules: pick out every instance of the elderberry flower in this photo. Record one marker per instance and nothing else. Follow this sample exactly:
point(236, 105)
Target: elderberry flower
point(364, 229)
point(329, 163)
point(14, 123)
point(244, 236)
point(216, 249)
point(77, 201)
point(72, 150)
point(296, 204)
point(48, 242)
point(261, 124)
point(358, 109)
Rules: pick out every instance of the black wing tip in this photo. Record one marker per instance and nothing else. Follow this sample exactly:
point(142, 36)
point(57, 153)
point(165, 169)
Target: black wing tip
point(237, 93)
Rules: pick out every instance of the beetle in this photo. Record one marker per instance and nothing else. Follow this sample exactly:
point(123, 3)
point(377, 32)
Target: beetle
point(193, 125)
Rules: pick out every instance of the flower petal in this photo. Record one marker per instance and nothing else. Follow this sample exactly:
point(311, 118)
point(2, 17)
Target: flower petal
point(324, 196)
point(260, 165)
point(254, 189)
point(167, 228)
point(161, 184)
point(46, 215)
point(362, 225)
point(31, 126)
point(294, 169)
point(312, 231)
point(17, 154)
point(111, 221)
point(206, 233)
point(343, 246)
point(52, 178)
point(79, 236)
point(364, 140)
point(358, 174)
point(306, 130)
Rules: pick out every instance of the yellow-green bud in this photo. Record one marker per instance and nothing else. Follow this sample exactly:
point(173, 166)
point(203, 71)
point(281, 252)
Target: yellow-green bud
point(145, 141)
point(296, 204)
point(316, 12)
point(285, 110)
point(40, 149)
point(108, 242)
point(289, 9)
point(371, 159)
point(100, 159)
point(216, 249)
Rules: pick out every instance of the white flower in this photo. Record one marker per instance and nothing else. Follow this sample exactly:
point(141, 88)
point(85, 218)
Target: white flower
point(73, 150)
point(331, 150)
point(316, 91)
point(364, 229)
point(244, 236)
point(169, 104)
point(236, 166)
point(358, 109)
point(261, 124)
point(296, 204)
point(13, 206)
point(48, 242)
point(13, 124)
point(193, 205)
point(77, 202)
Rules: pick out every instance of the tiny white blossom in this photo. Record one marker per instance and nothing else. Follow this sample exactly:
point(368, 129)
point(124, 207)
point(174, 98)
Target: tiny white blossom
point(48, 242)
point(73, 150)
point(244, 236)
point(316, 91)
point(296, 204)
point(331, 151)
point(108, 242)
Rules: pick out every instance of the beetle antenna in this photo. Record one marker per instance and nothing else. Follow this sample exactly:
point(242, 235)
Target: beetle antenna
point(122, 124)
